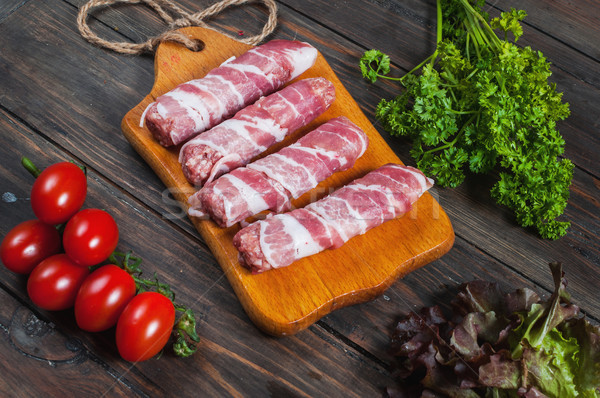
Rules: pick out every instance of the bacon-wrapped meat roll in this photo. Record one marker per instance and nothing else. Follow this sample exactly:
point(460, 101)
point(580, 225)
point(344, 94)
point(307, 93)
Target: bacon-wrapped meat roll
point(200, 104)
point(281, 239)
point(270, 182)
point(255, 128)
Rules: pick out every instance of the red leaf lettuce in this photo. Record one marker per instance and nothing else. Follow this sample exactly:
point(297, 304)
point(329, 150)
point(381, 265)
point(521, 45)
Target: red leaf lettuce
point(498, 344)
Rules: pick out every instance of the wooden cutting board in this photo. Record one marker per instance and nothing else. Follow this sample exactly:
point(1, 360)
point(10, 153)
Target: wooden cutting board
point(285, 301)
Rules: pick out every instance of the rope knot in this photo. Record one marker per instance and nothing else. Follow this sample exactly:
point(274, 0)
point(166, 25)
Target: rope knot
point(184, 22)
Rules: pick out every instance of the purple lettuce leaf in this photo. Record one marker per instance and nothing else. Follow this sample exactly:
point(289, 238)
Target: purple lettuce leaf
point(500, 372)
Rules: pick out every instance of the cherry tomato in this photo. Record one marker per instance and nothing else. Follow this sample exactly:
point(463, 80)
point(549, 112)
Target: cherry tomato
point(54, 283)
point(102, 298)
point(90, 237)
point(58, 192)
point(27, 244)
point(145, 326)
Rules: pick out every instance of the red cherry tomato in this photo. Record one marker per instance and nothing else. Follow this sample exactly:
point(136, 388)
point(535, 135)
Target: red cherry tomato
point(90, 237)
point(58, 192)
point(27, 244)
point(102, 298)
point(145, 326)
point(54, 283)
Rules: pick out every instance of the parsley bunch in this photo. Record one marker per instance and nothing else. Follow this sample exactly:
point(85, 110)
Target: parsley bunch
point(482, 103)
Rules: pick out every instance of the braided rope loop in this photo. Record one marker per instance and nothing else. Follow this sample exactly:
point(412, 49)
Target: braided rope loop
point(175, 17)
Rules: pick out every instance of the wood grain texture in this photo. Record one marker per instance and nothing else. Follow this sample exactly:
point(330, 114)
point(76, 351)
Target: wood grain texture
point(7, 7)
point(569, 21)
point(285, 301)
point(55, 357)
point(62, 98)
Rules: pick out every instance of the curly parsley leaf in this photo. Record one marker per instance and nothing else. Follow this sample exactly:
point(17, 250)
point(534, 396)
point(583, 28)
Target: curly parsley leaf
point(509, 22)
point(374, 64)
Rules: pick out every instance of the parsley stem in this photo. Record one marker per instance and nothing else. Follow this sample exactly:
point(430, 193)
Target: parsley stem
point(379, 75)
point(439, 31)
point(431, 58)
point(438, 40)
point(482, 26)
point(463, 112)
point(390, 78)
point(468, 52)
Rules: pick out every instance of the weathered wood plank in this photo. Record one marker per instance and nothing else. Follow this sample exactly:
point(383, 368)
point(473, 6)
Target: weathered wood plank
point(370, 325)
point(38, 359)
point(137, 22)
point(569, 22)
point(78, 108)
point(9, 6)
point(92, 134)
point(403, 29)
point(74, 112)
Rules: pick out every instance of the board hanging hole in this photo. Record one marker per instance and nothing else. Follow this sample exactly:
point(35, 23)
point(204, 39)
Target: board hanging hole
point(196, 45)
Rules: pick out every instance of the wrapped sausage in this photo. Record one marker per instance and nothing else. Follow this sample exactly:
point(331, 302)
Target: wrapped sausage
point(379, 196)
point(236, 141)
point(270, 182)
point(201, 104)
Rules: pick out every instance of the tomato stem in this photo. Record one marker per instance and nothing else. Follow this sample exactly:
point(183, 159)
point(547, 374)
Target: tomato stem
point(83, 168)
point(35, 171)
point(30, 167)
point(184, 329)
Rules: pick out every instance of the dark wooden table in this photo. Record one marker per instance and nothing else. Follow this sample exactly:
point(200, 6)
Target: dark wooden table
point(63, 98)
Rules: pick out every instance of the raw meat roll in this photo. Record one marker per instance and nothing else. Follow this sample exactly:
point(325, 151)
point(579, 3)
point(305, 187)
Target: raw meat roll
point(255, 128)
point(281, 239)
point(270, 182)
point(200, 104)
